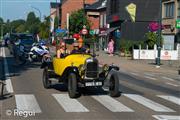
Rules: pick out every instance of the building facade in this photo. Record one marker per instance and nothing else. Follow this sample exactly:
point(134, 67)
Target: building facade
point(97, 15)
point(55, 11)
point(68, 6)
point(118, 17)
point(170, 14)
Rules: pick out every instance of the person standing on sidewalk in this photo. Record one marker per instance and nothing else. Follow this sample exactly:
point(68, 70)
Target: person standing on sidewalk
point(111, 47)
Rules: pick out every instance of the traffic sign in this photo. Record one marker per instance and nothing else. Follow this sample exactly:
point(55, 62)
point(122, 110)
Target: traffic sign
point(178, 24)
point(84, 31)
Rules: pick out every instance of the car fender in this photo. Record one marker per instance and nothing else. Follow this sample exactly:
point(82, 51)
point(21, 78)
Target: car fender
point(68, 70)
point(111, 72)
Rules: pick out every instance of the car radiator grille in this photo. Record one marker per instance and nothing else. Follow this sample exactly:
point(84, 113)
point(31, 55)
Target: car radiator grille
point(92, 70)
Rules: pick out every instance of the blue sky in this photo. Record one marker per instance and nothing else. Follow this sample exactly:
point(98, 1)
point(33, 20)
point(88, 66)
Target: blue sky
point(18, 9)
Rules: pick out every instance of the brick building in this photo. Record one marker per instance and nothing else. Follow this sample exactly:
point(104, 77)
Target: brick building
point(68, 6)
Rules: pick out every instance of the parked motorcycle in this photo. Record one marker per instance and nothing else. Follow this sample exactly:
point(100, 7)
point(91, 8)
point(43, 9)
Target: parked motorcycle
point(37, 51)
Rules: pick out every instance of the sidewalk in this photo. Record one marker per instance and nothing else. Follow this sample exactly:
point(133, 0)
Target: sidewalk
point(128, 64)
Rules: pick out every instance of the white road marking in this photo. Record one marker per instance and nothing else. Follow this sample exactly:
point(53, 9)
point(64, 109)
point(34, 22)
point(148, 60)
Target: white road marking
point(173, 99)
point(8, 83)
point(134, 73)
point(69, 105)
point(168, 83)
point(148, 103)
point(27, 102)
point(148, 74)
point(112, 104)
point(166, 117)
point(168, 78)
point(150, 78)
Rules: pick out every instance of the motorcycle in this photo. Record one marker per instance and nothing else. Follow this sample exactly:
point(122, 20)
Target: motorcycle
point(38, 51)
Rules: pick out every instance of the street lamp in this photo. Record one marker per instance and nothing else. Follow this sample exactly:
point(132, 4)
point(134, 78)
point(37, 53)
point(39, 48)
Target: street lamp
point(37, 10)
point(159, 38)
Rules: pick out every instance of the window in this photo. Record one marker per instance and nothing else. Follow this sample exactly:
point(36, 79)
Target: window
point(104, 20)
point(114, 6)
point(169, 10)
point(179, 9)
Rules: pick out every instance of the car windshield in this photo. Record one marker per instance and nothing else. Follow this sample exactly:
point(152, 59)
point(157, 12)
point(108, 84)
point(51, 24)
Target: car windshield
point(27, 41)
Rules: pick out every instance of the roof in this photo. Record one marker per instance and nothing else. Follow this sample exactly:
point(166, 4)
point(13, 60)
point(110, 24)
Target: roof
point(55, 5)
point(97, 5)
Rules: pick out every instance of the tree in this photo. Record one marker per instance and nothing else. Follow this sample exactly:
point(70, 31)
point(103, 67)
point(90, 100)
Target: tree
point(1, 20)
point(32, 23)
point(77, 20)
point(16, 23)
point(45, 28)
point(20, 28)
point(56, 23)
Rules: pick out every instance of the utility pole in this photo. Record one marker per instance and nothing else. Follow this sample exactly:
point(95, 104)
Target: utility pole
point(159, 38)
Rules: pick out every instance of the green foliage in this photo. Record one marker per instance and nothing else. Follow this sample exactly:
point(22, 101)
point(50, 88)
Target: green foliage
point(17, 25)
point(56, 22)
point(44, 28)
point(32, 23)
point(76, 21)
point(126, 46)
point(152, 38)
point(20, 28)
point(1, 20)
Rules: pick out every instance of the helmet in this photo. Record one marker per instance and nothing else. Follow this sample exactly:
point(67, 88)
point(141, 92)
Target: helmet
point(42, 42)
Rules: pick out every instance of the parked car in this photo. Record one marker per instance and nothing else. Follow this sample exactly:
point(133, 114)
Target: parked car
point(20, 44)
point(77, 70)
point(23, 46)
point(11, 43)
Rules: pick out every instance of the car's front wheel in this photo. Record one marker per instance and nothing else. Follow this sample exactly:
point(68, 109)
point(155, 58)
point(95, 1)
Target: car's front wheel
point(114, 86)
point(46, 81)
point(72, 85)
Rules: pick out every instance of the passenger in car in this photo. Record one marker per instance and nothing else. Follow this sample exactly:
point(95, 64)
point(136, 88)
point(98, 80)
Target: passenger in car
point(61, 50)
point(75, 48)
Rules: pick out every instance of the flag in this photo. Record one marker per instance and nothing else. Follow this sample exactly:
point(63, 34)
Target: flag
point(131, 9)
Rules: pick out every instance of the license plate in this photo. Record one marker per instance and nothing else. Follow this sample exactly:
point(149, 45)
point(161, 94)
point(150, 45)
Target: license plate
point(93, 84)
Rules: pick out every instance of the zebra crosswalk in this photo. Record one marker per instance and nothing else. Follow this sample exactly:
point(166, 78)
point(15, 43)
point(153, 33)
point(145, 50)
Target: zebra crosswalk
point(29, 102)
point(149, 103)
point(69, 105)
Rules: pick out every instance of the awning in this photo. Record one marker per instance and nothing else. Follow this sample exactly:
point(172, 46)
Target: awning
point(108, 31)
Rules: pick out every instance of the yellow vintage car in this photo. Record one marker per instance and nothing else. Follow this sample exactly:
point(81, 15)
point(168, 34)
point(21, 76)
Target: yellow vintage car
point(81, 70)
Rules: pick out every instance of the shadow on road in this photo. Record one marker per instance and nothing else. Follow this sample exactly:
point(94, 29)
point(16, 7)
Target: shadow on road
point(148, 85)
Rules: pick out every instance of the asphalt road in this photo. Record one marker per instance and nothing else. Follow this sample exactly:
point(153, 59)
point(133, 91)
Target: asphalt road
point(145, 96)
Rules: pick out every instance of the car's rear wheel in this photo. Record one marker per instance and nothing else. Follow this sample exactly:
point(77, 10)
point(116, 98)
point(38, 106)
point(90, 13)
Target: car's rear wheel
point(114, 86)
point(72, 85)
point(46, 81)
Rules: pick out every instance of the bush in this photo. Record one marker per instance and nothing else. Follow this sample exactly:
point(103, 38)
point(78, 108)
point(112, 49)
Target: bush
point(152, 39)
point(127, 46)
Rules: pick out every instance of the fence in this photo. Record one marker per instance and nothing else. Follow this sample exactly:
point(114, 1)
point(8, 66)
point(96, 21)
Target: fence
point(152, 54)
